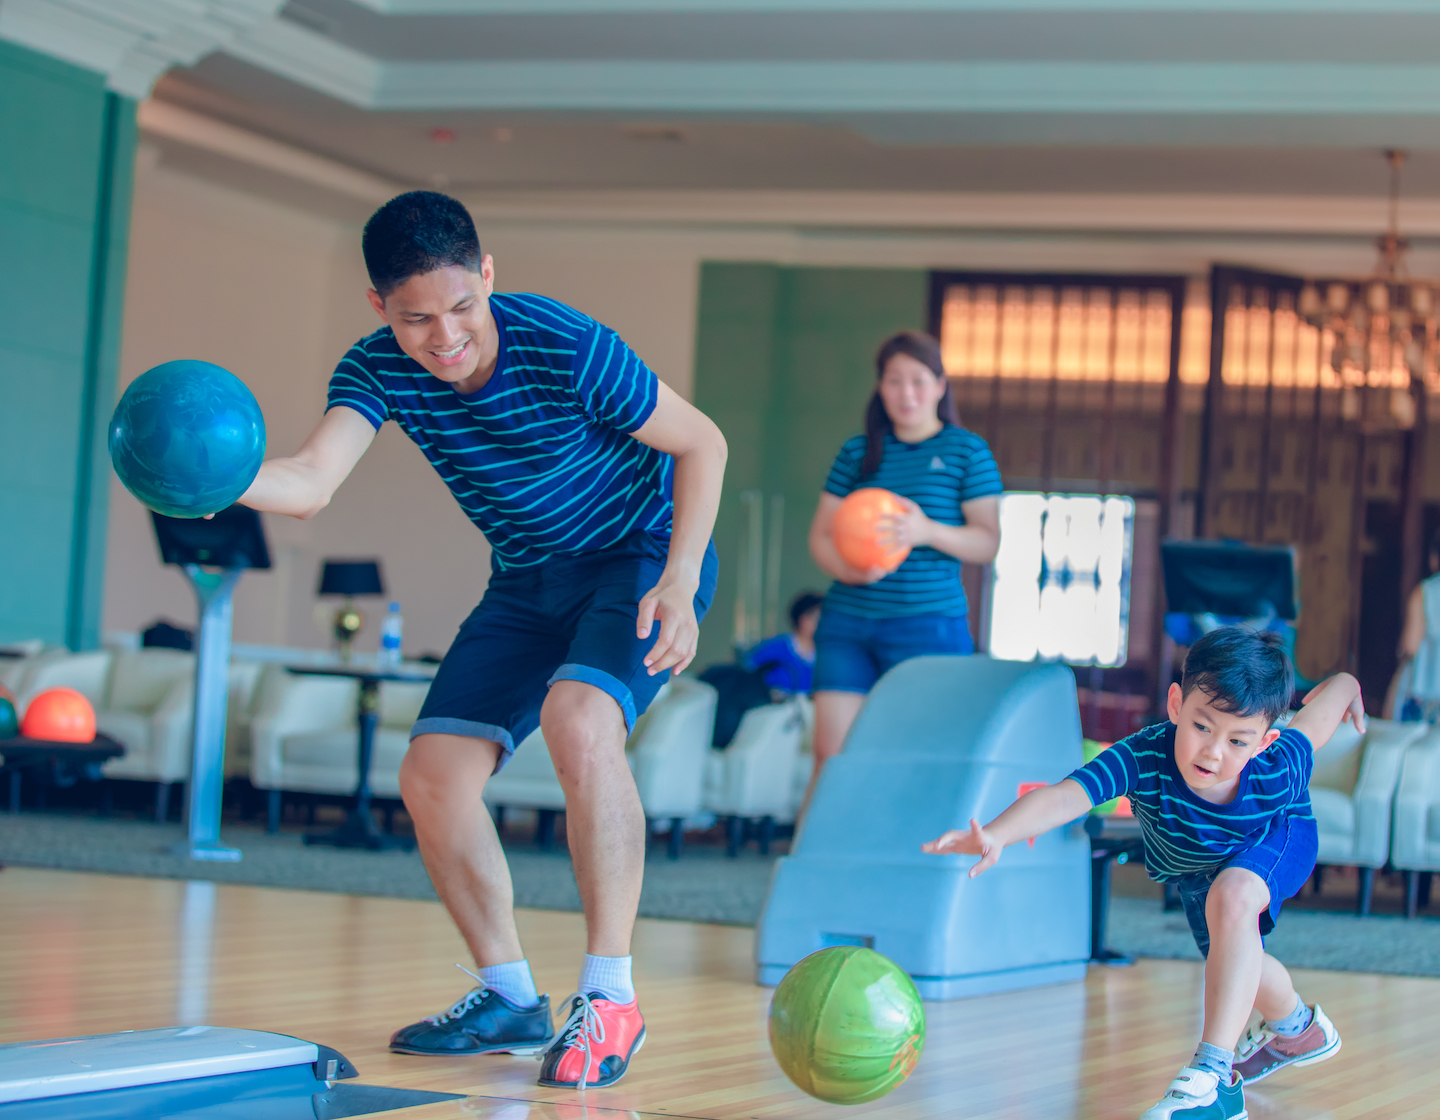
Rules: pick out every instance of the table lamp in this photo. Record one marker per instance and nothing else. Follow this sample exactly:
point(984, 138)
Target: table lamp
point(350, 578)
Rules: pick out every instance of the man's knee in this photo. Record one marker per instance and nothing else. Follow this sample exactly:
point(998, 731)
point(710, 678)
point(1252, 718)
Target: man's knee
point(584, 729)
point(1236, 898)
point(440, 768)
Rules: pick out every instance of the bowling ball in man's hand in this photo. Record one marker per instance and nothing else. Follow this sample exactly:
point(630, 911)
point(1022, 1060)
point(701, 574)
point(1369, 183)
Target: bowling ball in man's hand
point(187, 438)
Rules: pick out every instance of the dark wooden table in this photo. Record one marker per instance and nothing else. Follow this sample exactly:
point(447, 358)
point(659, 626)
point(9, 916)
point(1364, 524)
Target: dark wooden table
point(23, 753)
point(359, 829)
point(1112, 840)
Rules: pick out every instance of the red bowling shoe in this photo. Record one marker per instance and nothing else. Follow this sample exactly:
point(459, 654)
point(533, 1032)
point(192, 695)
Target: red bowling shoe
point(594, 1047)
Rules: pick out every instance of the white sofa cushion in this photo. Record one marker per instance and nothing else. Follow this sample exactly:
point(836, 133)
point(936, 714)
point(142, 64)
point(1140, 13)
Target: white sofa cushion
point(140, 680)
point(1334, 811)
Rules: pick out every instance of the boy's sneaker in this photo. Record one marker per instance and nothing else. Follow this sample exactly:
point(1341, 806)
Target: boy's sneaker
point(1262, 1051)
point(595, 1045)
point(480, 1022)
point(1197, 1094)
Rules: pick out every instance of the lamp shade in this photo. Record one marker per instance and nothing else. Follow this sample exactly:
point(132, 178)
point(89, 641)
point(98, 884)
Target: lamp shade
point(351, 577)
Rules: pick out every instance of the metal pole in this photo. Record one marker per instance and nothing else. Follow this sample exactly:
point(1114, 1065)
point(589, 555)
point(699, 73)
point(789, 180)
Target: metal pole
point(213, 591)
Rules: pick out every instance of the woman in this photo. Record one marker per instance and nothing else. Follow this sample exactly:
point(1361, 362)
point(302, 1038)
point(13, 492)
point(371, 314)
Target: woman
point(1415, 689)
point(915, 447)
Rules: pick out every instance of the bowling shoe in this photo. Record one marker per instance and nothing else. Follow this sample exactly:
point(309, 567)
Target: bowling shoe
point(599, 1038)
point(480, 1022)
point(1197, 1094)
point(1262, 1051)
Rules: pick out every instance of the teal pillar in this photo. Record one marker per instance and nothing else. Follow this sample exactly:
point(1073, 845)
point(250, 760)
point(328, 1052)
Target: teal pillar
point(67, 148)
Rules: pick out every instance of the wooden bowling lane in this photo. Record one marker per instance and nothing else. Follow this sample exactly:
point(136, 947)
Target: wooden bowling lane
point(85, 954)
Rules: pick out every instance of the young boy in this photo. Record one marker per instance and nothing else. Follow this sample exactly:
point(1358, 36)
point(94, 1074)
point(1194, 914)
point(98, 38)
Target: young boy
point(1223, 801)
point(565, 451)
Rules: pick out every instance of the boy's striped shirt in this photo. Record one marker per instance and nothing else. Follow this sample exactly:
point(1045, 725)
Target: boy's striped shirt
point(1183, 832)
point(540, 458)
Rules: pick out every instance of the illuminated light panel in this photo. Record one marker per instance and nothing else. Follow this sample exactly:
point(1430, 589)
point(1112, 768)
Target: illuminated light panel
point(1061, 589)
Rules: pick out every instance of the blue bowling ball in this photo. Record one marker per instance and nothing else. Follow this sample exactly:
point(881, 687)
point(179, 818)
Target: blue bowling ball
point(187, 438)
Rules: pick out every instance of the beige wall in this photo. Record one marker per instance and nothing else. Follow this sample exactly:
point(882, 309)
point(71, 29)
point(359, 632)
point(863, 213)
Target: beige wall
point(274, 294)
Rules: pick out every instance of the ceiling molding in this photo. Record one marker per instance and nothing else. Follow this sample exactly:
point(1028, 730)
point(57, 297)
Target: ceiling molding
point(171, 122)
point(131, 42)
point(284, 47)
point(1260, 215)
point(607, 7)
point(827, 88)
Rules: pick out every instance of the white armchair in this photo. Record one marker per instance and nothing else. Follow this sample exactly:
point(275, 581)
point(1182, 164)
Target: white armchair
point(303, 737)
point(1415, 844)
point(668, 753)
point(85, 672)
point(1352, 791)
point(754, 777)
point(148, 706)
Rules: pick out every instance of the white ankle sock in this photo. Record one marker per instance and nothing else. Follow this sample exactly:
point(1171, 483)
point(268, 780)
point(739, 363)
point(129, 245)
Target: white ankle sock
point(512, 980)
point(609, 976)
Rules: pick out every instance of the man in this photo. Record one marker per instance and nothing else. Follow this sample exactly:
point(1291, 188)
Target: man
point(596, 486)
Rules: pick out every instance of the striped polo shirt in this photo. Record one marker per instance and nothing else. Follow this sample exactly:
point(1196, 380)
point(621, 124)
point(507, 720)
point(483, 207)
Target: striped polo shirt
point(1183, 832)
point(938, 474)
point(540, 458)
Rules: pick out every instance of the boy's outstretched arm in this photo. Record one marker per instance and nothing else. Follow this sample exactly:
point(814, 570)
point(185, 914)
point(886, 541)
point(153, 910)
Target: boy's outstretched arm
point(1326, 706)
point(1038, 811)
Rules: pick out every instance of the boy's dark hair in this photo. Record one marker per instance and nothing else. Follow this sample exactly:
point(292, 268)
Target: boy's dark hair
point(415, 233)
point(1243, 671)
point(802, 605)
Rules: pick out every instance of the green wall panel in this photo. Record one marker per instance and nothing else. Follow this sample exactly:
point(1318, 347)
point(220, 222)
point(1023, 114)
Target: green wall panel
point(66, 157)
point(784, 365)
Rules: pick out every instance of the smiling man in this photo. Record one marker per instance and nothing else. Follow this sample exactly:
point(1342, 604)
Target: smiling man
point(596, 487)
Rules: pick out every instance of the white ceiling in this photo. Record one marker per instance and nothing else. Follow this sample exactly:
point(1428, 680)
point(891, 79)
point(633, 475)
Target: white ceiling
point(1179, 97)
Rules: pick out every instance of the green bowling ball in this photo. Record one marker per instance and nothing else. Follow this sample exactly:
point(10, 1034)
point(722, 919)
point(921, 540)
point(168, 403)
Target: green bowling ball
point(847, 1025)
point(9, 721)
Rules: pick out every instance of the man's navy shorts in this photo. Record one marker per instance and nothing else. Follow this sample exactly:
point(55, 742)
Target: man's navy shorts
point(852, 653)
point(571, 618)
point(1285, 859)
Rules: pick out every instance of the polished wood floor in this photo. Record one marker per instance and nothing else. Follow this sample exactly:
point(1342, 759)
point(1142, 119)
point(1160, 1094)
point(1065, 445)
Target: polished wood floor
point(84, 954)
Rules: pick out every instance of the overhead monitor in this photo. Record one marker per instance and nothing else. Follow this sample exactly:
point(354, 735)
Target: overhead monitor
point(1229, 578)
point(233, 538)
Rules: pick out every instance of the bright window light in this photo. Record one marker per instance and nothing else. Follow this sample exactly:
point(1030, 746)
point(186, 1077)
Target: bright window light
point(1061, 588)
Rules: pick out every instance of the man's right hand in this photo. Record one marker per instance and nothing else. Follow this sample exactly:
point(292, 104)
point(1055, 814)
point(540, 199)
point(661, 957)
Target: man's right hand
point(974, 841)
point(301, 485)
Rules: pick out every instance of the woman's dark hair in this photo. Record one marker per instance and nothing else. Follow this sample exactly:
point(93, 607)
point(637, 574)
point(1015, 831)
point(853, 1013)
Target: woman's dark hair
point(925, 350)
point(802, 605)
point(415, 233)
point(1243, 671)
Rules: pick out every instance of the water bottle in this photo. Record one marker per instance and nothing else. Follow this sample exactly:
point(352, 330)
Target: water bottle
point(391, 631)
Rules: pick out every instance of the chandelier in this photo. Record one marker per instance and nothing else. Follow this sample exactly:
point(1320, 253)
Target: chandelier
point(1383, 327)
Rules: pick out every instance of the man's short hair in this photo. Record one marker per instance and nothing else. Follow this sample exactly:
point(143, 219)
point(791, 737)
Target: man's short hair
point(802, 605)
point(415, 233)
point(1243, 671)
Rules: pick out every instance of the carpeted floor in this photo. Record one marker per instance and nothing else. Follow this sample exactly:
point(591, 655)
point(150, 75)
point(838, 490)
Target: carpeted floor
point(702, 886)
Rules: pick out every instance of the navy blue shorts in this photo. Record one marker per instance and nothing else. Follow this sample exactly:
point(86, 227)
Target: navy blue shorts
point(1285, 859)
point(571, 618)
point(852, 653)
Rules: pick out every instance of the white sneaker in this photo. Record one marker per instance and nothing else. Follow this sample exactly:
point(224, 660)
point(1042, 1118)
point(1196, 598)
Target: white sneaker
point(1317, 1042)
point(1197, 1094)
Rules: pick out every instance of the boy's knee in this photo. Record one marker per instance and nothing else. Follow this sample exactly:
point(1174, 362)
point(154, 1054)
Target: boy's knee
point(439, 768)
point(1237, 896)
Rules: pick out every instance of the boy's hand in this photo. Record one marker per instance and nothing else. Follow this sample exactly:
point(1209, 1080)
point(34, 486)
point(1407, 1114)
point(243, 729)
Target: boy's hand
point(973, 842)
point(1329, 704)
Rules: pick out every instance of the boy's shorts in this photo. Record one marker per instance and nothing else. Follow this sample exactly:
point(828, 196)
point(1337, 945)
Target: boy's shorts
point(570, 618)
point(1285, 859)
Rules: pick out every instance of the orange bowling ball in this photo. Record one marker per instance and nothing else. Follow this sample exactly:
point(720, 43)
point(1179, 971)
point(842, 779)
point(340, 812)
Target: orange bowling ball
point(856, 533)
point(61, 715)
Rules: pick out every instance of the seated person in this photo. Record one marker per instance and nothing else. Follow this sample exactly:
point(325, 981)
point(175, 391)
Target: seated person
point(787, 661)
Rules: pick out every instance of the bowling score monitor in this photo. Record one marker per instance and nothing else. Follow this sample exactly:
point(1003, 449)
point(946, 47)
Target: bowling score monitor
point(1229, 578)
point(233, 538)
